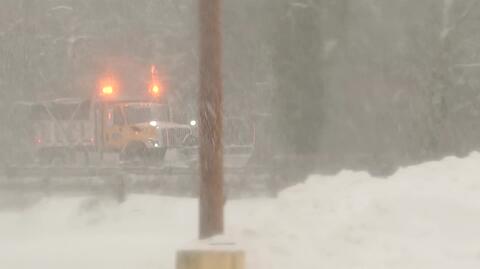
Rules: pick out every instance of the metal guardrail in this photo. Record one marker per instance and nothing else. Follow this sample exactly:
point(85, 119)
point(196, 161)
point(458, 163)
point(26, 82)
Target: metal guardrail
point(90, 171)
point(76, 171)
point(122, 181)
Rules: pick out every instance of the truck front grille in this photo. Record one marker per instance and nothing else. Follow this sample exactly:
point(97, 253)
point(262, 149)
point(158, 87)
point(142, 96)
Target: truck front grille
point(174, 137)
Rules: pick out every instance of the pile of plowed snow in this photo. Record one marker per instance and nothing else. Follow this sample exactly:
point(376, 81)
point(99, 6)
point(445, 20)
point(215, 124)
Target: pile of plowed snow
point(425, 216)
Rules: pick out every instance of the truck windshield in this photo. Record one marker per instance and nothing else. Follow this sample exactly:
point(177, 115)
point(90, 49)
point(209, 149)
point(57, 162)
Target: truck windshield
point(146, 112)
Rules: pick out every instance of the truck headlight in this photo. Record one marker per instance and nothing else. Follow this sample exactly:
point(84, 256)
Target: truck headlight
point(154, 143)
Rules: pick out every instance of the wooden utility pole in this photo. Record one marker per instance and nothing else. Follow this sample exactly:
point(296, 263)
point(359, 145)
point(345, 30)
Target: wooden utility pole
point(211, 255)
point(211, 119)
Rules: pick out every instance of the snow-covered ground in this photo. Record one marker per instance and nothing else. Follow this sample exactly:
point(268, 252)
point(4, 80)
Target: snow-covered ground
point(425, 216)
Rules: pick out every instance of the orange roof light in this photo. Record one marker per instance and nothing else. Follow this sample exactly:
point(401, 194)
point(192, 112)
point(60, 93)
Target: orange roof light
point(155, 88)
point(108, 87)
point(107, 90)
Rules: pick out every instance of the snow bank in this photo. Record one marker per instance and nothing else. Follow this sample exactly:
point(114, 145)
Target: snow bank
point(425, 216)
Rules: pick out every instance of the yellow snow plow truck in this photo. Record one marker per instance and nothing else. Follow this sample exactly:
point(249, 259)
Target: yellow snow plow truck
point(107, 128)
point(116, 133)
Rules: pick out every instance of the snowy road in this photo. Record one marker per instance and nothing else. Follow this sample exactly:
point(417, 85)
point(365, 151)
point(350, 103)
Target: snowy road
point(426, 216)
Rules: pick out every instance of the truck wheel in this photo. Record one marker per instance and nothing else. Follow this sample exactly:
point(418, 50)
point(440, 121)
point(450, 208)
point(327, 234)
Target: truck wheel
point(157, 155)
point(135, 151)
point(190, 141)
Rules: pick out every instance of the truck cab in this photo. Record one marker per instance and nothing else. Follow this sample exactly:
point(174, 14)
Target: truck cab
point(140, 129)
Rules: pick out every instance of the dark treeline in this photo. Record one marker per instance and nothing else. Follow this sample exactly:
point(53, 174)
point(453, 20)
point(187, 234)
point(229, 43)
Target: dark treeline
point(365, 84)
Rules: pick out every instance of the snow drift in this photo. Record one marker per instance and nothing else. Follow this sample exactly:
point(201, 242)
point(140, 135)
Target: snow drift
point(424, 216)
